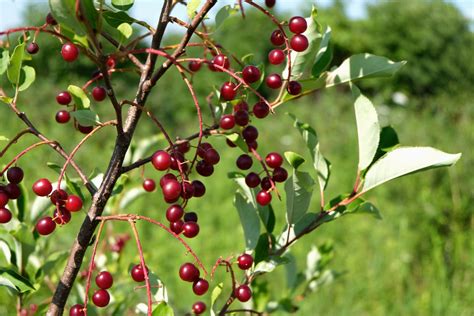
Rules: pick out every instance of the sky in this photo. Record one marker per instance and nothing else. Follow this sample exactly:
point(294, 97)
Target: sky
point(147, 10)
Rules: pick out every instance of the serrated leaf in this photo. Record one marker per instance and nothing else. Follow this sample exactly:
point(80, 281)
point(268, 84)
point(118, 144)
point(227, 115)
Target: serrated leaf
point(125, 29)
point(405, 160)
point(368, 128)
point(298, 189)
point(123, 4)
point(79, 96)
point(324, 56)
point(29, 76)
point(86, 117)
point(192, 7)
point(14, 65)
point(295, 160)
point(216, 292)
point(249, 220)
point(15, 281)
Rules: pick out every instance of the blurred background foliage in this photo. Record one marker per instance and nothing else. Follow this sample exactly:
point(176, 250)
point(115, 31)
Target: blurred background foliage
point(418, 261)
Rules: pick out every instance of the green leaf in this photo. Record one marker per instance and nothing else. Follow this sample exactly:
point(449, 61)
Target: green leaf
point(405, 160)
point(270, 265)
point(3, 139)
point(125, 29)
point(130, 196)
point(298, 189)
point(362, 66)
point(216, 292)
point(4, 61)
point(262, 249)
point(321, 164)
point(364, 208)
point(324, 56)
point(249, 220)
point(301, 60)
point(239, 141)
point(6, 100)
point(13, 280)
point(79, 96)
point(114, 19)
point(14, 66)
point(163, 309)
point(86, 117)
point(7, 252)
point(90, 12)
point(267, 215)
point(368, 128)
point(64, 12)
point(224, 13)
point(21, 203)
point(123, 5)
point(388, 141)
point(192, 7)
point(29, 76)
point(294, 159)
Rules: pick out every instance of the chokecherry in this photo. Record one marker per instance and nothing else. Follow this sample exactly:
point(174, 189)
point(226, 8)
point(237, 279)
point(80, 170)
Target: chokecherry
point(85, 129)
point(104, 280)
point(243, 293)
point(244, 162)
point(99, 94)
point(42, 187)
point(252, 180)
point(276, 57)
point(251, 74)
point(266, 184)
point(58, 197)
point(199, 188)
point(15, 175)
point(149, 185)
point(298, 25)
point(245, 261)
point(299, 43)
point(62, 217)
point(274, 160)
point(194, 65)
point(199, 308)
point(45, 226)
point(294, 88)
point(167, 177)
point(137, 273)
point(70, 52)
point(204, 169)
point(200, 286)
point(190, 229)
point(221, 61)
point(174, 213)
point(187, 190)
point(277, 38)
point(171, 190)
point(161, 160)
point(270, 3)
point(188, 272)
point(101, 298)
point(3, 198)
point(5, 215)
point(250, 133)
point(280, 174)
point(241, 106)
point(62, 117)
point(264, 198)
point(190, 217)
point(227, 121)
point(13, 191)
point(73, 203)
point(274, 81)
point(50, 19)
point(32, 48)
point(261, 109)
point(64, 98)
point(177, 227)
point(228, 91)
point(241, 117)
point(77, 310)
point(211, 156)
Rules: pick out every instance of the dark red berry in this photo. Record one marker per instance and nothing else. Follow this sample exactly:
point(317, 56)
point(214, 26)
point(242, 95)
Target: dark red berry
point(51, 21)
point(77, 310)
point(62, 217)
point(230, 143)
point(167, 177)
point(294, 88)
point(190, 229)
point(264, 198)
point(251, 74)
point(274, 81)
point(187, 190)
point(171, 190)
point(277, 38)
point(58, 197)
point(149, 185)
point(241, 117)
point(183, 147)
point(298, 25)
point(199, 308)
point(45, 226)
point(85, 129)
point(274, 160)
point(177, 160)
point(270, 3)
point(228, 91)
point(194, 65)
point(101, 298)
point(73, 203)
point(161, 160)
point(63, 116)
point(252, 145)
point(174, 213)
point(280, 174)
point(202, 148)
point(245, 261)
point(227, 121)
point(64, 98)
point(5, 215)
point(32, 48)
point(104, 280)
point(99, 94)
point(3, 199)
point(261, 109)
point(190, 217)
point(244, 162)
point(111, 62)
point(188, 272)
point(221, 61)
point(42, 187)
point(137, 273)
point(299, 43)
point(200, 287)
point(266, 184)
point(250, 133)
point(69, 52)
point(199, 188)
point(177, 227)
point(276, 57)
point(204, 169)
point(243, 293)
point(15, 175)
point(13, 191)
point(252, 180)
point(241, 106)
point(212, 156)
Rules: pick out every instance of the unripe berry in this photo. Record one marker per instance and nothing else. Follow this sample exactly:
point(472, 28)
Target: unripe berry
point(77, 310)
point(69, 52)
point(221, 61)
point(194, 65)
point(137, 273)
point(149, 185)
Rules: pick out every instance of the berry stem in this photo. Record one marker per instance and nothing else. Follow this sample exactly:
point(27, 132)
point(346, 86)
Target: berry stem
point(14, 140)
point(23, 152)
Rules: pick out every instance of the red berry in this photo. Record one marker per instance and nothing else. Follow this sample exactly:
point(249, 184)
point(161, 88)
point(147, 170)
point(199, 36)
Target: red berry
point(161, 160)
point(171, 190)
point(241, 117)
point(32, 48)
point(250, 133)
point(274, 81)
point(276, 57)
point(104, 280)
point(149, 185)
point(183, 147)
point(85, 129)
point(227, 121)
point(166, 178)
point(244, 162)
point(174, 213)
point(137, 273)
point(77, 310)
point(299, 43)
point(252, 180)
point(199, 188)
point(62, 116)
point(69, 52)
point(188, 272)
point(243, 293)
point(177, 160)
point(298, 25)
point(42, 187)
point(5, 215)
point(101, 298)
point(204, 169)
point(277, 38)
point(177, 227)
point(266, 184)
point(199, 308)
point(73, 203)
point(190, 229)
point(202, 148)
point(294, 88)
point(261, 109)
point(45, 226)
point(99, 94)
point(251, 74)
point(211, 156)
point(280, 174)
point(274, 160)
point(270, 3)
point(187, 190)
point(58, 197)
point(200, 287)
point(264, 198)
point(190, 217)
point(15, 175)
point(62, 217)
point(51, 21)
point(228, 91)
point(245, 261)
point(241, 106)
point(63, 98)
point(3, 199)
point(221, 61)
point(194, 65)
